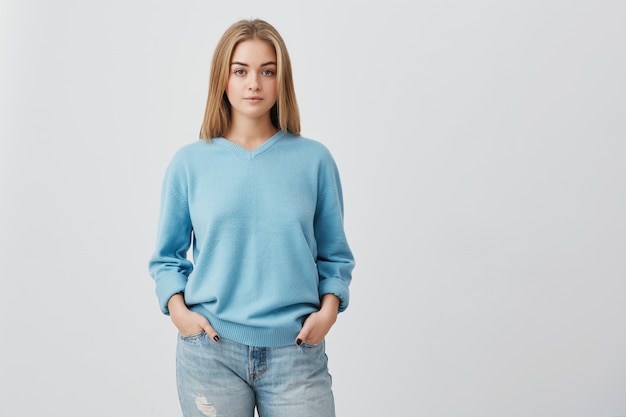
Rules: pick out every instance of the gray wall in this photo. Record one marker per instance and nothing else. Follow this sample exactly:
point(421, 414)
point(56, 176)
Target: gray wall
point(482, 150)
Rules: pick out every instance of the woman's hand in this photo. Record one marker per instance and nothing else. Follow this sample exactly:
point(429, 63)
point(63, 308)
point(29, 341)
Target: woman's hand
point(189, 322)
point(318, 324)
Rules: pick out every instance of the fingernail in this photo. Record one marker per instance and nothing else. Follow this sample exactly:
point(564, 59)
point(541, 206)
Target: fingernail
point(216, 338)
point(298, 342)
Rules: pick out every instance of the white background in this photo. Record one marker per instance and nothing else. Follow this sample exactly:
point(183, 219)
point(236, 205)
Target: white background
point(482, 147)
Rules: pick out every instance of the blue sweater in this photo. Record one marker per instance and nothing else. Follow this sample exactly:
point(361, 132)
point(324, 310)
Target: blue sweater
point(267, 232)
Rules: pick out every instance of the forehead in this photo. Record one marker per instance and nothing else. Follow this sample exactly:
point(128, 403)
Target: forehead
point(253, 51)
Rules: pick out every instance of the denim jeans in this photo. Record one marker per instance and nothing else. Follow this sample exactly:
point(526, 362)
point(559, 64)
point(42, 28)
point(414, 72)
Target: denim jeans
point(228, 379)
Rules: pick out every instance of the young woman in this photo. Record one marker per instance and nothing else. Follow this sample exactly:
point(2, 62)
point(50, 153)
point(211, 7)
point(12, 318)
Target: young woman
point(262, 208)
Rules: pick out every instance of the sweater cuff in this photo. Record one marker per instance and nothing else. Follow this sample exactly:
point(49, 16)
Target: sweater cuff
point(337, 287)
point(168, 286)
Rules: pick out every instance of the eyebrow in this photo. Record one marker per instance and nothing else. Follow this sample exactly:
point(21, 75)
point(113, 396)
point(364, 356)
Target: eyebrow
point(245, 65)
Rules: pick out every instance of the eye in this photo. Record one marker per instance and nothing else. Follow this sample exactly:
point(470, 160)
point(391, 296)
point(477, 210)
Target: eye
point(268, 72)
point(239, 71)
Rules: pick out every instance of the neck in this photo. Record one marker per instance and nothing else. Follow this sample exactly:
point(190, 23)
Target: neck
point(250, 135)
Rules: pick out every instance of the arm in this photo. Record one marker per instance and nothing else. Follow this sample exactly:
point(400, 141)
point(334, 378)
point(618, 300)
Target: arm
point(168, 264)
point(335, 261)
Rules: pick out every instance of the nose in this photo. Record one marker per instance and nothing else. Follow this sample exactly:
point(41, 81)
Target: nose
point(254, 83)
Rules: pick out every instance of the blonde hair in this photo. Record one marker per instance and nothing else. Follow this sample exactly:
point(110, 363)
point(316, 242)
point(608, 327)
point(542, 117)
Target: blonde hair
point(217, 115)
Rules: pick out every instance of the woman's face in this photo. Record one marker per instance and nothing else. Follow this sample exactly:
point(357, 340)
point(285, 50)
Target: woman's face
point(252, 85)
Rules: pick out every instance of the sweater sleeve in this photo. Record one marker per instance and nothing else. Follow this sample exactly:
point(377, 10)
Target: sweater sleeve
point(335, 260)
point(169, 265)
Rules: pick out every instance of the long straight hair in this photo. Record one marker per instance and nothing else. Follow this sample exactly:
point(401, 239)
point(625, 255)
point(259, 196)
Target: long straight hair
point(217, 115)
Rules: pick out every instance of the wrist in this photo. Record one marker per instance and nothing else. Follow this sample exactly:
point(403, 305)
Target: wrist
point(176, 303)
point(330, 303)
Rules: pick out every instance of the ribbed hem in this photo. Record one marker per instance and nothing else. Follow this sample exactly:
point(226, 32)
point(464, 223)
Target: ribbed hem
point(251, 335)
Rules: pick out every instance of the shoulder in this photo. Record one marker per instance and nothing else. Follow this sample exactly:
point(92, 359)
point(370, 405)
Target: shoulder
point(188, 150)
point(312, 147)
point(187, 154)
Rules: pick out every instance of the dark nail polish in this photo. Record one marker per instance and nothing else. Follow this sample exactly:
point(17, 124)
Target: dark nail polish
point(298, 342)
point(216, 338)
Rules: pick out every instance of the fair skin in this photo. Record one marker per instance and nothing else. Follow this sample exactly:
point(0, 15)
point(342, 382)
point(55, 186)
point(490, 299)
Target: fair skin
point(252, 90)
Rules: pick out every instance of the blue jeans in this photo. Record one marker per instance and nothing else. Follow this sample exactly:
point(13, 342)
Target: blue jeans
point(228, 379)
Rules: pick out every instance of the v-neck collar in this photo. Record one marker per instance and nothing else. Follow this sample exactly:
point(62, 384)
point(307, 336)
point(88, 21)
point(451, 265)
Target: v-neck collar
point(251, 154)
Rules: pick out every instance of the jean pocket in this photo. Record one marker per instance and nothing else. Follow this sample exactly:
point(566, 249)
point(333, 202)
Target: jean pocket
point(313, 345)
point(192, 337)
